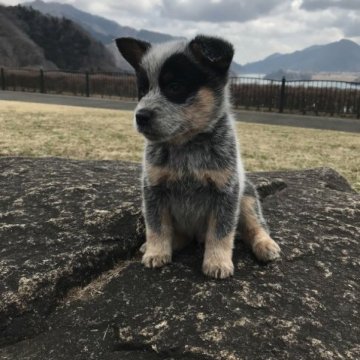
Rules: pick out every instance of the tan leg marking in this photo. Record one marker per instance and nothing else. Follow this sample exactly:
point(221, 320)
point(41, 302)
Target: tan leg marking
point(179, 242)
point(218, 253)
point(263, 246)
point(143, 248)
point(158, 247)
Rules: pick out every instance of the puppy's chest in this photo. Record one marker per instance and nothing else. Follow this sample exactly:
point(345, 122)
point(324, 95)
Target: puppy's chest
point(188, 171)
point(192, 183)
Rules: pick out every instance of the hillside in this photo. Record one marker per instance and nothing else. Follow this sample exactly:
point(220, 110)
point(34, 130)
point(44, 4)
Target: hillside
point(100, 28)
point(105, 30)
point(16, 48)
point(49, 42)
point(340, 56)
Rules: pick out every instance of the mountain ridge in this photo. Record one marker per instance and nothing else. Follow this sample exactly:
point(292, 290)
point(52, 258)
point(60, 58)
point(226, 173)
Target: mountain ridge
point(103, 29)
point(106, 30)
point(49, 42)
point(19, 50)
point(338, 56)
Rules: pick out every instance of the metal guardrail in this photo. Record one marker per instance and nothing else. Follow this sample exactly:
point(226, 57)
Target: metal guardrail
point(319, 97)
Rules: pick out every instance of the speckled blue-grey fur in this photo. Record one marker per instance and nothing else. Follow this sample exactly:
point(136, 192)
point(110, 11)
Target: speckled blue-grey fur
point(191, 201)
point(193, 177)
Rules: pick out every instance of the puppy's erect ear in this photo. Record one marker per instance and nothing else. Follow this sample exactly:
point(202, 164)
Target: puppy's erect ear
point(212, 52)
point(132, 50)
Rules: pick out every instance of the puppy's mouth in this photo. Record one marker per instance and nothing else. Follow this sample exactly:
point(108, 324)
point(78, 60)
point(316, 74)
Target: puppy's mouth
point(155, 129)
point(148, 133)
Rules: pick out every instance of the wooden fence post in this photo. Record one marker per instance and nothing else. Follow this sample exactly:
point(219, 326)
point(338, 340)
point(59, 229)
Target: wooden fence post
point(282, 95)
point(3, 84)
point(42, 83)
point(87, 84)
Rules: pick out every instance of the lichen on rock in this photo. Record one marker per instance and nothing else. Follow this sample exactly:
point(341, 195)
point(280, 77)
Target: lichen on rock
point(72, 285)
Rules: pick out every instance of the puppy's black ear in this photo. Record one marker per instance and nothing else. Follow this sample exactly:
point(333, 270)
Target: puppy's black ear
point(132, 50)
point(212, 52)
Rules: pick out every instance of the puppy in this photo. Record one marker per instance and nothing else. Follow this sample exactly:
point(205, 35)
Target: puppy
point(194, 183)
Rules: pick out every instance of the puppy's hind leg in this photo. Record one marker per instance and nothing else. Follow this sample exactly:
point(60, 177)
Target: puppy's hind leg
point(253, 229)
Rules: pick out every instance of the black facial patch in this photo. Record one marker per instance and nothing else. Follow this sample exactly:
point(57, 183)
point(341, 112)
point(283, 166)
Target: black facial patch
point(180, 78)
point(142, 83)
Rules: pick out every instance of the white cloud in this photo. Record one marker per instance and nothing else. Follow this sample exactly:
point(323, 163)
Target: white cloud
point(9, 2)
point(257, 28)
point(218, 11)
point(326, 4)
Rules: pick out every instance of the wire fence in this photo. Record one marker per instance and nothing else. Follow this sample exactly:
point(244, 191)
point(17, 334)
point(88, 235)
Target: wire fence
point(102, 84)
point(314, 97)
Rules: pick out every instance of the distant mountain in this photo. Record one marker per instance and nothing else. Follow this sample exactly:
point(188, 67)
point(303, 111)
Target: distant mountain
point(106, 30)
point(120, 62)
point(289, 75)
point(235, 68)
point(49, 42)
point(340, 56)
point(100, 28)
point(16, 48)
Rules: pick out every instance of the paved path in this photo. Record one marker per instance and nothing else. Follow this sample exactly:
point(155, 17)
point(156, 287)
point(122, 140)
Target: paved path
point(304, 121)
point(68, 100)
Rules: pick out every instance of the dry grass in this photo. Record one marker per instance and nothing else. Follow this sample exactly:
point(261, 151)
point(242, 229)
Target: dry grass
point(30, 129)
point(49, 130)
point(267, 147)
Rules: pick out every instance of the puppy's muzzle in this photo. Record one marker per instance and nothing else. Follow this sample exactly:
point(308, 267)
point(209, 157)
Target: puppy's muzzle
point(143, 118)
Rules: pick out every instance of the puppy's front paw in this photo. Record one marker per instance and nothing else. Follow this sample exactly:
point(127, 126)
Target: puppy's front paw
point(218, 269)
point(155, 260)
point(266, 250)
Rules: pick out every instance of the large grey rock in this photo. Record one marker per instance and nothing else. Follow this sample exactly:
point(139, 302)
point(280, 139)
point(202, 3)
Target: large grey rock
point(64, 222)
point(61, 223)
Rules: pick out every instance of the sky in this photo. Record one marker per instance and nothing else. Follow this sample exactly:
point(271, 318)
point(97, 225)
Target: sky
point(257, 28)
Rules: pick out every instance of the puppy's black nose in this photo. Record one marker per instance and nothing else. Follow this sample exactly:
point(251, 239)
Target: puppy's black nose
point(143, 117)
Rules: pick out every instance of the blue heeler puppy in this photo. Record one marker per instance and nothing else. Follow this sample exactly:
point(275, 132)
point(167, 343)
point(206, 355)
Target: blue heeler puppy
point(194, 184)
